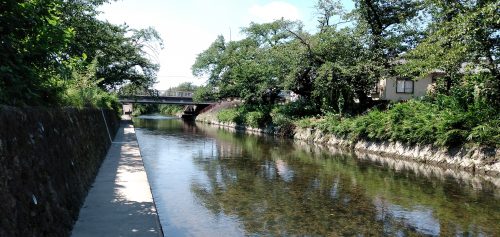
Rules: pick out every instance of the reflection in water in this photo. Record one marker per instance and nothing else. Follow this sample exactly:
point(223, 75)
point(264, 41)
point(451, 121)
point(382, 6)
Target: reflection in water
point(209, 182)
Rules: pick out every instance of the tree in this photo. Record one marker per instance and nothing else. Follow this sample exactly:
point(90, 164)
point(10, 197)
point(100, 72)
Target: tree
point(185, 86)
point(124, 55)
point(336, 68)
point(251, 68)
point(462, 39)
point(32, 42)
point(42, 44)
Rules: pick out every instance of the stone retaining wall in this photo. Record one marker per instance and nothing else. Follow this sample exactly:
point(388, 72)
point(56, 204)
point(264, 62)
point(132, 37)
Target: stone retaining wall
point(48, 160)
point(483, 160)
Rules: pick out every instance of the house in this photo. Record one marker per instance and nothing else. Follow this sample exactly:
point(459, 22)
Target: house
point(288, 96)
point(400, 89)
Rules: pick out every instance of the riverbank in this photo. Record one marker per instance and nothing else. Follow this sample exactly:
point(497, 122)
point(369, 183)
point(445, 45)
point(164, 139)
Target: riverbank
point(476, 159)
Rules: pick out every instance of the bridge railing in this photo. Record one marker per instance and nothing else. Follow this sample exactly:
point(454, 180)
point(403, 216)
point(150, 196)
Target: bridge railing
point(186, 94)
point(164, 93)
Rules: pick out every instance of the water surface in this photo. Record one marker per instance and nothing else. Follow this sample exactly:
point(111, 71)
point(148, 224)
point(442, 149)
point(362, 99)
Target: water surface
point(211, 182)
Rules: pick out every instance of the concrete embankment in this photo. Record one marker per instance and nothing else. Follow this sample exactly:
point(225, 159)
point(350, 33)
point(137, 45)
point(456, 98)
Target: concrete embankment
point(481, 160)
point(48, 160)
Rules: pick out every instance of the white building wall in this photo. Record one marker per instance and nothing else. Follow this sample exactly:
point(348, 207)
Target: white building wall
point(388, 89)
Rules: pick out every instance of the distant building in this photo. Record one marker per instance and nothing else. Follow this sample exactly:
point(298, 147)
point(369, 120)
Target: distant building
point(288, 96)
point(398, 89)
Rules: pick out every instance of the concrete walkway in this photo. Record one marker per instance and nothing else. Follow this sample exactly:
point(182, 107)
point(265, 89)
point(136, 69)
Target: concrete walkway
point(120, 202)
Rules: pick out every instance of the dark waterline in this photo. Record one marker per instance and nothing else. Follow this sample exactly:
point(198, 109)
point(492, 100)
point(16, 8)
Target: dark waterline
point(211, 182)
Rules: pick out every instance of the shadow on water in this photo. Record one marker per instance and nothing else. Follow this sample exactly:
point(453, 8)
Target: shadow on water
point(266, 186)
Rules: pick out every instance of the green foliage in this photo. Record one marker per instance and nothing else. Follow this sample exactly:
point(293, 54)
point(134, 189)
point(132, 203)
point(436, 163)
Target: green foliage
point(282, 124)
point(245, 115)
point(334, 70)
point(419, 122)
point(170, 109)
point(230, 116)
point(185, 86)
point(462, 40)
point(43, 45)
point(297, 109)
point(305, 123)
point(84, 91)
point(132, 89)
point(32, 39)
point(280, 120)
point(255, 119)
point(487, 133)
point(140, 109)
point(204, 93)
point(253, 68)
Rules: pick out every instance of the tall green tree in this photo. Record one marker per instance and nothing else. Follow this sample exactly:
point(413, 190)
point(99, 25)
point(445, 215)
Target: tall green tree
point(253, 68)
point(33, 40)
point(463, 40)
point(43, 42)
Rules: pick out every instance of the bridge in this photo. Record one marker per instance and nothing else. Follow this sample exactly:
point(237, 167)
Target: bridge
point(191, 108)
point(163, 97)
point(161, 100)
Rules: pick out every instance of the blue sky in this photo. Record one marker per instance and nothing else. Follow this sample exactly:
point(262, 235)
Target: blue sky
point(189, 26)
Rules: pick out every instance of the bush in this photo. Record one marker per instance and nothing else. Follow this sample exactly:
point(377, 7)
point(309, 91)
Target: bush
point(230, 116)
point(305, 123)
point(83, 91)
point(283, 125)
point(255, 119)
point(297, 109)
point(418, 122)
point(278, 119)
point(487, 133)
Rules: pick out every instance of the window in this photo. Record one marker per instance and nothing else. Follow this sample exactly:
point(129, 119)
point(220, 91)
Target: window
point(404, 86)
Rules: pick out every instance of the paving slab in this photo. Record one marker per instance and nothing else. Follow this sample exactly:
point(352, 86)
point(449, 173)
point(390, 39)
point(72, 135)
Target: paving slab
point(120, 202)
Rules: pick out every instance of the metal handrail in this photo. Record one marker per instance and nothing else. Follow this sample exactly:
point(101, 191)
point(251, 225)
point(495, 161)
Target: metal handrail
point(167, 93)
point(186, 94)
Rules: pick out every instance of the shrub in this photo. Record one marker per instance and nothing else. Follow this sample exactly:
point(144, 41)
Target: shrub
point(255, 119)
point(283, 125)
point(297, 109)
point(487, 133)
point(305, 123)
point(230, 116)
point(439, 122)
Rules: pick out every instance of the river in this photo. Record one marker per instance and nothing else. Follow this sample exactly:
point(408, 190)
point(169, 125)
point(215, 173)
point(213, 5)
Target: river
point(208, 181)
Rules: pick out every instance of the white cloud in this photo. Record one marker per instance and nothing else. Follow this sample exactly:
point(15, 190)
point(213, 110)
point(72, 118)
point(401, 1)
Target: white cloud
point(273, 11)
